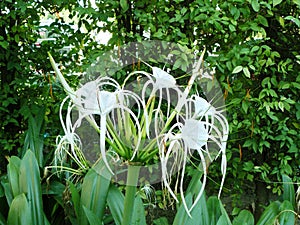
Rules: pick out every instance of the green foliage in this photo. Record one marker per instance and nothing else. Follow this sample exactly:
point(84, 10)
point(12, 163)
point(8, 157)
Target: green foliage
point(25, 198)
point(288, 190)
point(115, 201)
point(33, 139)
point(244, 217)
point(20, 211)
point(93, 194)
point(199, 214)
point(30, 94)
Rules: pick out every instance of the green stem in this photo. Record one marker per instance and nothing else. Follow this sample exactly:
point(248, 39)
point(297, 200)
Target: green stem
point(132, 179)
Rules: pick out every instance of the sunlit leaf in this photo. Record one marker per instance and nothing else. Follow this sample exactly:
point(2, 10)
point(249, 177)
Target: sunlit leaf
point(276, 2)
point(255, 5)
point(237, 69)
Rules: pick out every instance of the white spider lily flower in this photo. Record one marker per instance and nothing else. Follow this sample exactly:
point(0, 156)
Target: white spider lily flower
point(185, 127)
point(216, 119)
point(107, 101)
point(194, 134)
point(163, 79)
point(202, 107)
point(103, 103)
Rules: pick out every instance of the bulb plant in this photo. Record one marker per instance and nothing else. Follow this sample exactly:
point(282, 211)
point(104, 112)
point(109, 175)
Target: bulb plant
point(163, 124)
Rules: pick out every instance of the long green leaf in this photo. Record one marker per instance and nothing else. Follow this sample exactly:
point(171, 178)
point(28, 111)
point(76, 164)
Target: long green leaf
point(92, 218)
point(138, 217)
point(115, 201)
point(224, 214)
point(94, 191)
point(245, 217)
point(8, 193)
point(195, 184)
point(222, 220)
point(288, 190)
point(13, 169)
point(29, 181)
point(33, 138)
point(213, 208)
point(75, 198)
point(270, 213)
point(181, 216)
point(19, 212)
point(286, 217)
point(199, 214)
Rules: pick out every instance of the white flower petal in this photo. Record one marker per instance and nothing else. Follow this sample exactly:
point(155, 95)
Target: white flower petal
point(87, 98)
point(163, 79)
point(194, 134)
point(107, 101)
point(202, 107)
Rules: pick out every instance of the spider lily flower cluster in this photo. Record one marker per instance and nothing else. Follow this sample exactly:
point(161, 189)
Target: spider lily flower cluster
point(162, 124)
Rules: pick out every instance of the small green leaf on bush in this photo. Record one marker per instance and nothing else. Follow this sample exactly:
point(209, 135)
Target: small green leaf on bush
point(246, 72)
point(281, 21)
point(276, 2)
point(4, 44)
point(237, 69)
point(255, 48)
point(231, 28)
point(262, 20)
point(255, 5)
point(281, 106)
point(297, 2)
point(124, 5)
point(293, 19)
point(285, 86)
point(245, 106)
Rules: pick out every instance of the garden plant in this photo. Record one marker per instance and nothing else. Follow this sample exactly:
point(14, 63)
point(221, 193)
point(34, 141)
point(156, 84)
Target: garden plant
point(49, 174)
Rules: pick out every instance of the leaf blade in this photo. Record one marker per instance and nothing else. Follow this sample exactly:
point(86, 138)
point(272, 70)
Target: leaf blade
point(19, 212)
point(237, 69)
point(255, 5)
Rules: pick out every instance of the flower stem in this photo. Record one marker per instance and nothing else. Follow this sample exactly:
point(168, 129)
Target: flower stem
point(132, 179)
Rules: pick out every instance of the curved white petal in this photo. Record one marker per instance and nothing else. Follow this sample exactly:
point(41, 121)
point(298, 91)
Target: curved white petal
point(203, 182)
point(107, 101)
point(194, 133)
point(163, 79)
point(202, 107)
